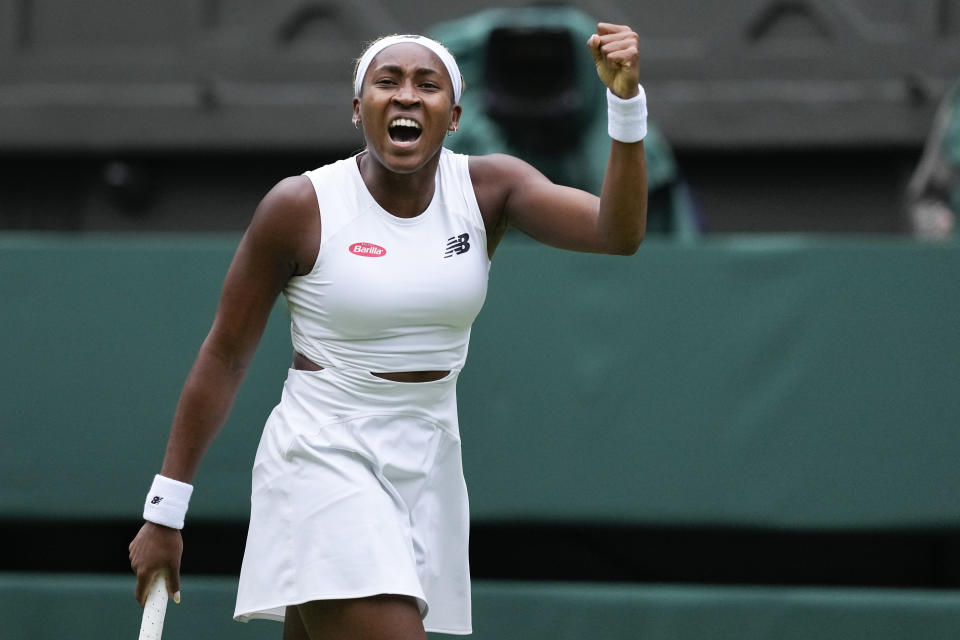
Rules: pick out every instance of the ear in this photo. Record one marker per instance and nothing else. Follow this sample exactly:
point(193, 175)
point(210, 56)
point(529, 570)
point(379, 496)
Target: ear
point(356, 111)
point(455, 118)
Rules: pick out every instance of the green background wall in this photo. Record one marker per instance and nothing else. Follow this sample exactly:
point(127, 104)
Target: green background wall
point(790, 382)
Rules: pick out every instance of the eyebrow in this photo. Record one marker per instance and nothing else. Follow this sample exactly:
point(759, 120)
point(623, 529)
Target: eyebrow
point(395, 68)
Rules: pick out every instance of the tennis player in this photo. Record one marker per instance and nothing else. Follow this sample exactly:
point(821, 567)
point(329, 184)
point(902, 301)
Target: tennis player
point(359, 519)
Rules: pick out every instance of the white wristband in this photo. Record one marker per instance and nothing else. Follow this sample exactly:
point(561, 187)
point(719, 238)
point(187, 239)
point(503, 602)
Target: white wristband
point(627, 119)
point(167, 502)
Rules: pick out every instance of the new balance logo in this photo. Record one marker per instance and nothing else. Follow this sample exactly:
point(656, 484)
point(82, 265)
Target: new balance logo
point(457, 245)
point(156, 500)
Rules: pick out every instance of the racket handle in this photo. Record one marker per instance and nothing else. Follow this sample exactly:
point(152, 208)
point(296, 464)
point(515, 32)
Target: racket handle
point(154, 610)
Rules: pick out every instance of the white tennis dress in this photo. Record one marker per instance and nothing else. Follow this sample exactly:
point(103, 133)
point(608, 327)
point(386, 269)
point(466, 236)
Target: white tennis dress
point(358, 487)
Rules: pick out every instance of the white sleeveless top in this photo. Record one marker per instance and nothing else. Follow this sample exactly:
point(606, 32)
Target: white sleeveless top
point(387, 293)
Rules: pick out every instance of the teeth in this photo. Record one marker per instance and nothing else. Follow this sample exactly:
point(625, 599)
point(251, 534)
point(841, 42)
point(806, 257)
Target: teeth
point(405, 122)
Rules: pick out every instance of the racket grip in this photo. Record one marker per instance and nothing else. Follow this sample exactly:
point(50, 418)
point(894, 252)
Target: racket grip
point(154, 610)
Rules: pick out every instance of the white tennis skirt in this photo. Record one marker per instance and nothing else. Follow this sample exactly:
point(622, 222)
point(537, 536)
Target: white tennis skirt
point(358, 490)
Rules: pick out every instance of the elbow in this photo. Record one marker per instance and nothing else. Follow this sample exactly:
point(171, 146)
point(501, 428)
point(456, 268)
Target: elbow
point(625, 238)
point(230, 358)
point(628, 249)
point(629, 245)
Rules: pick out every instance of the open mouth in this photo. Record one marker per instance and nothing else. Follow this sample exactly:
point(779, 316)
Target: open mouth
point(404, 130)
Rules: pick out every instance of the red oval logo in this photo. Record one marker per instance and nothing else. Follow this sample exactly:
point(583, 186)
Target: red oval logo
point(367, 249)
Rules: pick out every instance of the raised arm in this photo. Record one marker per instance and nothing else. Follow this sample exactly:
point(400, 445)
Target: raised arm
point(514, 194)
point(281, 241)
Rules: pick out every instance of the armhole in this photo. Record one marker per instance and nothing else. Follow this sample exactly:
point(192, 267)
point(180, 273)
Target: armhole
point(470, 195)
point(332, 187)
point(312, 177)
point(473, 204)
point(323, 228)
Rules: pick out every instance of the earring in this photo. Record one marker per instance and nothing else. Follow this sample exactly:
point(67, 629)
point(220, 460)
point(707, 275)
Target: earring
point(356, 124)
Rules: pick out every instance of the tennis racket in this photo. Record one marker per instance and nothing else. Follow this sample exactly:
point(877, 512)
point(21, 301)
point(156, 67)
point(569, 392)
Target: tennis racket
point(154, 610)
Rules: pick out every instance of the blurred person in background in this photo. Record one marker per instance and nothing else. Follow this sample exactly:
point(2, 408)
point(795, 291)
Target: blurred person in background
point(933, 194)
point(557, 123)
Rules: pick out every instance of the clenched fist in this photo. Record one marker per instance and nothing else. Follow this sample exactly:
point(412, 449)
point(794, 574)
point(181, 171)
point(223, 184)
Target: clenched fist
point(616, 55)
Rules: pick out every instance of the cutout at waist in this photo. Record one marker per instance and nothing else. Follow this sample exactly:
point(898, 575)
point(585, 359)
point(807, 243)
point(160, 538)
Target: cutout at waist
point(303, 363)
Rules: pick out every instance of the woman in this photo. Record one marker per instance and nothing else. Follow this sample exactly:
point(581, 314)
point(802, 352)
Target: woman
point(359, 513)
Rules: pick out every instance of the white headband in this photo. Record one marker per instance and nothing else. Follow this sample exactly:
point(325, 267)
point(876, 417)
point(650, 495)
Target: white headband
point(445, 57)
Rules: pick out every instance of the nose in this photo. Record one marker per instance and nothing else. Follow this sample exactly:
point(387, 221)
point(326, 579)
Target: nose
point(406, 94)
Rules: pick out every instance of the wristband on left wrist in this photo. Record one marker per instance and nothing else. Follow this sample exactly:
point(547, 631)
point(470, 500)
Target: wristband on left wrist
point(627, 118)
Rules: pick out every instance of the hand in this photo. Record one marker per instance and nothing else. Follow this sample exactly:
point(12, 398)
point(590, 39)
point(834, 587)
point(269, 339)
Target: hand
point(156, 548)
point(615, 52)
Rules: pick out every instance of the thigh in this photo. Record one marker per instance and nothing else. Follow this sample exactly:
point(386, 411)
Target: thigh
point(293, 628)
point(382, 617)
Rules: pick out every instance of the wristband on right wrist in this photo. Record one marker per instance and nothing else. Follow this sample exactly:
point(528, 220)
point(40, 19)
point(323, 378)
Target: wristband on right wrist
point(627, 118)
point(167, 502)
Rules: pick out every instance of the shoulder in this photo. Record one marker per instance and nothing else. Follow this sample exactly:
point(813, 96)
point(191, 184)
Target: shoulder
point(287, 222)
point(496, 176)
point(293, 194)
point(497, 167)
point(290, 207)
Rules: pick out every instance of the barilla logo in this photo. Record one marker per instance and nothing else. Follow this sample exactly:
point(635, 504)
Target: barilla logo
point(367, 249)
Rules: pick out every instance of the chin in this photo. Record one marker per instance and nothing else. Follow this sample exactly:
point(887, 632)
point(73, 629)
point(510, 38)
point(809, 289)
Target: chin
point(405, 160)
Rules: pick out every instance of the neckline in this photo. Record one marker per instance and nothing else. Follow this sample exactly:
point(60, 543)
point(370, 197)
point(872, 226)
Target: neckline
point(373, 204)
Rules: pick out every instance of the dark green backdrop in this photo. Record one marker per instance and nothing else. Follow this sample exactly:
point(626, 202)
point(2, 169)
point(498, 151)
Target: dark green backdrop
point(792, 382)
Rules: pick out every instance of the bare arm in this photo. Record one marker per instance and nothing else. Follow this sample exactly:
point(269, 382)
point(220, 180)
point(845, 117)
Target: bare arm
point(271, 251)
point(280, 242)
point(514, 194)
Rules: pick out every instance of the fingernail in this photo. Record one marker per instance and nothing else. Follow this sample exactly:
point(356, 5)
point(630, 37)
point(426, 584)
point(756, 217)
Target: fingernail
point(176, 597)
